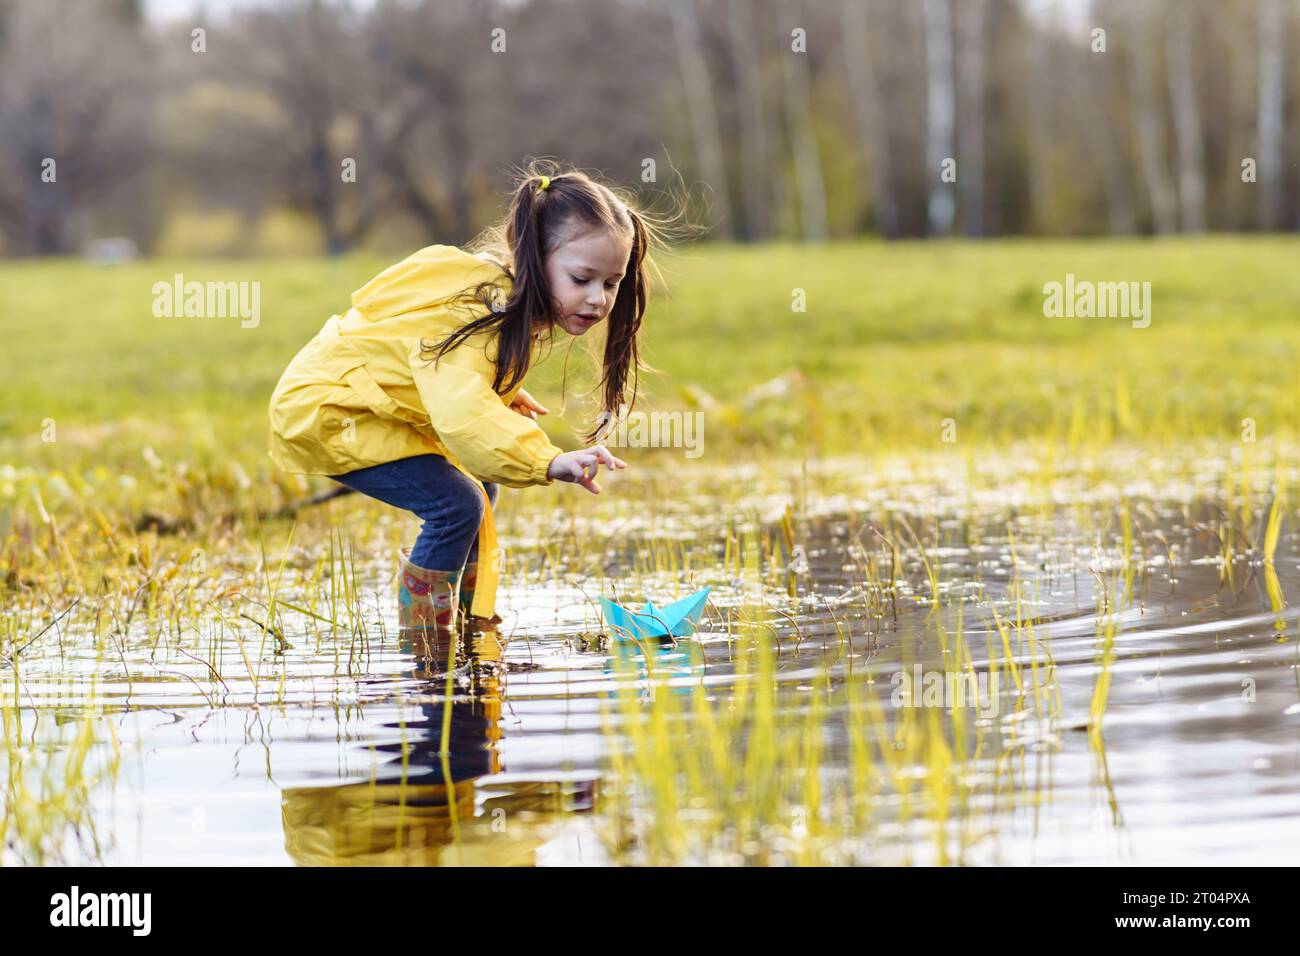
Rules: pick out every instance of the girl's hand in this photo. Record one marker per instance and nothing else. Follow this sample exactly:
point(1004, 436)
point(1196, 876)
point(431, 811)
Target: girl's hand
point(581, 466)
point(527, 406)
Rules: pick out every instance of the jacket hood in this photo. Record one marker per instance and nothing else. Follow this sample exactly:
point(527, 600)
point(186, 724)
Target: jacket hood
point(426, 279)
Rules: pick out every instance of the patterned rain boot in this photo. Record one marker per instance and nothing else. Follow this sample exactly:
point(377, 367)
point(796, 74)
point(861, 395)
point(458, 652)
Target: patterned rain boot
point(469, 623)
point(426, 610)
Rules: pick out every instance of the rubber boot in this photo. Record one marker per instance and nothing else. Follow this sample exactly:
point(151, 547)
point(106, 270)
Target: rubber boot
point(426, 609)
point(469, 623)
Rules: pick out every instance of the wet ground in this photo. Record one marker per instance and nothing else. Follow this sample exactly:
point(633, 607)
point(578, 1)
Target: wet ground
point(331, 752)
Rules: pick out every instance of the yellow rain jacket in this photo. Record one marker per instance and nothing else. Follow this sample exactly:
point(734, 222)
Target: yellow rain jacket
point(360, 393)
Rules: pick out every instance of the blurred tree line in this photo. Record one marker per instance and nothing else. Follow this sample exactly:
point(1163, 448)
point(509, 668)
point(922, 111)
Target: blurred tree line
point(797, 119)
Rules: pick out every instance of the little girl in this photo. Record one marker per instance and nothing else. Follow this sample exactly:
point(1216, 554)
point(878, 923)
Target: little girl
point(415, 396)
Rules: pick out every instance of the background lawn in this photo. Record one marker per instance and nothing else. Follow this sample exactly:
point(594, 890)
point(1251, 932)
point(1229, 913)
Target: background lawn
point(918, 333)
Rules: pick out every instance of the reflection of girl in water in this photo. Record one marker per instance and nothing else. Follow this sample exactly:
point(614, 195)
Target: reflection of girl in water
point(408, 814)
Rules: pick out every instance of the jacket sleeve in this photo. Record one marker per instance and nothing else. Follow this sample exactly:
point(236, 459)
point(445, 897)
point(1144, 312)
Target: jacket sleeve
point(492, 442)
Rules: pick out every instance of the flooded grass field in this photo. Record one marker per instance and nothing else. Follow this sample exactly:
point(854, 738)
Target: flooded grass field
point(1039, 656)
point(1066, 635)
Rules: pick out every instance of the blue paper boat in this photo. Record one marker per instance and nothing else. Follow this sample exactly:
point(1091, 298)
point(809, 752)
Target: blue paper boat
point(676, 620)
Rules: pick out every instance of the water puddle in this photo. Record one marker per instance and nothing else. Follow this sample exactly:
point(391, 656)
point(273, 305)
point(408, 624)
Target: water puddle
point(1020, 666)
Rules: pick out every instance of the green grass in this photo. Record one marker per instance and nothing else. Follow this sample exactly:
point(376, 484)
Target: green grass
point(895, 339)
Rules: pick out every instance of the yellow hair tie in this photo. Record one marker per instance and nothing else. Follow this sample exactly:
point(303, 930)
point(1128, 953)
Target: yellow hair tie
point(546, 181)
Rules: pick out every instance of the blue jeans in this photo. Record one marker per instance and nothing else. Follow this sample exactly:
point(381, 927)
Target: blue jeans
point(450, 505)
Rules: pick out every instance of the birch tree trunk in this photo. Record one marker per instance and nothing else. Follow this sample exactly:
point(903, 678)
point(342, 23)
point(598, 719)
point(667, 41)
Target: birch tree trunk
point(1148, 122)
point(940, 112)
point(1269, 115)
point(1187, 124)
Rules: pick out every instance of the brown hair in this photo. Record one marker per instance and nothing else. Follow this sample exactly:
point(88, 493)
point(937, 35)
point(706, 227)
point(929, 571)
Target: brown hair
point(538, 222)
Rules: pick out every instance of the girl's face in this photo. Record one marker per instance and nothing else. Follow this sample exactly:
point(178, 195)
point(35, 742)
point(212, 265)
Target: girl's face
point(585, 273)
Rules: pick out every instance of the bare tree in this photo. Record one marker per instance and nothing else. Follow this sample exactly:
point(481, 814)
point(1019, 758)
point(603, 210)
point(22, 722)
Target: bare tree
point(899, 45)
point(700, 109)
point(303, 76)
point(423, 97)
point(795, 73)
point(1092, 96)
point(74, 119)
point(1040, 119)
point(972, 24)
point(435, 76)
point(869, 111)
point(755, 163)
